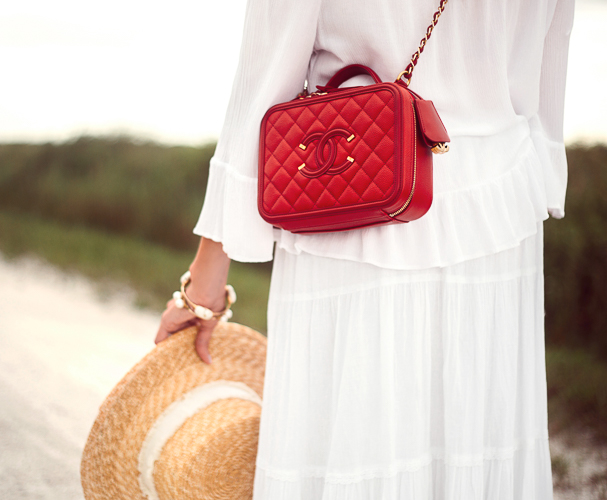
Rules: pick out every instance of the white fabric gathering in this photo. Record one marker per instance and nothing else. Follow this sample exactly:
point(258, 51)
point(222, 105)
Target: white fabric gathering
point(406, 385)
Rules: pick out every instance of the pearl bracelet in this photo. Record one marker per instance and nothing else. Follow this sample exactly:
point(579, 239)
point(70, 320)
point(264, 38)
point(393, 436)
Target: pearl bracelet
point(183, 301)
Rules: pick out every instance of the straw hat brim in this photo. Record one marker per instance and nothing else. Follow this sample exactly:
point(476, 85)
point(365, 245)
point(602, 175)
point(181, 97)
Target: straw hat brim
point(175, 427)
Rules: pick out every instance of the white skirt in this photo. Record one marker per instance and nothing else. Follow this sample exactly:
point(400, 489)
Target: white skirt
point(386, 384)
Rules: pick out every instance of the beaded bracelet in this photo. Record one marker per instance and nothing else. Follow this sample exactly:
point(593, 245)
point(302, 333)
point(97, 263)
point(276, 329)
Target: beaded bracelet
point(183, 301)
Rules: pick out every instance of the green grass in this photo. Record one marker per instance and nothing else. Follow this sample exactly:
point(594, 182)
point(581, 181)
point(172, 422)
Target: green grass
point(576, 257)
point(152, 270)
point(561, 471)
point(577, 390)
point(117, 184)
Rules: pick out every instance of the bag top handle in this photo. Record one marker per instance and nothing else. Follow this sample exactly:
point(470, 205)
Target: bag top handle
point(358, 69)
point(348, 72)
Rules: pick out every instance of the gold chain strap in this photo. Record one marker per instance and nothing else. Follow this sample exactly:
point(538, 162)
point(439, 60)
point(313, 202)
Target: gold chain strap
point(414, 58)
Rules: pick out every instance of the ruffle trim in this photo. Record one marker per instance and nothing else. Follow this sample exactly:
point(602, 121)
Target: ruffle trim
point(553, 157)
point(461, 225)
point(521, 472)
point(414, 465)
point(229, 215)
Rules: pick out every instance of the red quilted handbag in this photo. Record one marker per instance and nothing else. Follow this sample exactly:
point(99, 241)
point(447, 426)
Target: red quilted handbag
point(341, 159)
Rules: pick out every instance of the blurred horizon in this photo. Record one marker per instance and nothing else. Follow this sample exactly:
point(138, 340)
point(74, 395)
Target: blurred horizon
point(145, 72)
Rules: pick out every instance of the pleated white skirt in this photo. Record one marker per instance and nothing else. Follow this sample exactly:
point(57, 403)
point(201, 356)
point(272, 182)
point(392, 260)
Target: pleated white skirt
point(406, 385)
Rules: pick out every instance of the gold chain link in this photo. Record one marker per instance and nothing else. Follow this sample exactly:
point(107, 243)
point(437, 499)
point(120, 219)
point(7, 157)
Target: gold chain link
point(407, 74)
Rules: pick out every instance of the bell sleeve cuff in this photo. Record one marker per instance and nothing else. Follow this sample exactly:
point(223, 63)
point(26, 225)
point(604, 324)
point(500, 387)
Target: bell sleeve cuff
point(547, 125)
point(229, 215)
point(277, 46)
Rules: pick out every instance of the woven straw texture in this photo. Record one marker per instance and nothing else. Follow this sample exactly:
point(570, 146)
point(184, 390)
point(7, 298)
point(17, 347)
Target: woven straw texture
point(212, 455)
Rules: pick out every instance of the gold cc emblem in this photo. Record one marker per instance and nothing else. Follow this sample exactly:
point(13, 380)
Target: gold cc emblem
point(326, 153)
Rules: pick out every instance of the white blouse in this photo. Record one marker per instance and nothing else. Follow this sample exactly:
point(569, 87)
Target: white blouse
point(495, 70)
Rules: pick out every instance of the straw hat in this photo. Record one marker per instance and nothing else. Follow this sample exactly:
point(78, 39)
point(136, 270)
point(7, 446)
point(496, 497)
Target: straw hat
point(177, 428)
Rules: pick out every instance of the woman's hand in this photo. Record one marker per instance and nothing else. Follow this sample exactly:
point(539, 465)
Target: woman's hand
point(209, 275)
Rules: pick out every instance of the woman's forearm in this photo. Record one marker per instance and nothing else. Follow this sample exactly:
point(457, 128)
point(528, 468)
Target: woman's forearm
point(209, 271)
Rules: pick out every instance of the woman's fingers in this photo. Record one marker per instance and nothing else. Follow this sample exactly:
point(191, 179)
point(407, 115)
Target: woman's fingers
point(172, 320)
point(175, 319)
point(203, 338)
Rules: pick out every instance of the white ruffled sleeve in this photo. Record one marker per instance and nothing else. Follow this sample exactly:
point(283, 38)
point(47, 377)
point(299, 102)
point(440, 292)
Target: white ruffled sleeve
point(277, 45)
point(547, 125)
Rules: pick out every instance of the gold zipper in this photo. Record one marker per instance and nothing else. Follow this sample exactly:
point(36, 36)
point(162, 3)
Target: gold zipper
point(402, 209)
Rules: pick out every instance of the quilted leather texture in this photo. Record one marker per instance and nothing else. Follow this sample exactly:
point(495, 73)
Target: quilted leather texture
point(370, 117)
point(355, 157)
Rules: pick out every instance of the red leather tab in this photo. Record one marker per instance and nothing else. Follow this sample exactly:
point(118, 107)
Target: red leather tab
point(431, 125)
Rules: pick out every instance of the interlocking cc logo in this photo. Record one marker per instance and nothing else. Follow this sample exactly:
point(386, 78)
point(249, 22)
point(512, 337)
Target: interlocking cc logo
point(326, 152)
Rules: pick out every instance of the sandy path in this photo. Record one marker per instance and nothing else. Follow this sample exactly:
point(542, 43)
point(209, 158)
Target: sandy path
point(62, 349)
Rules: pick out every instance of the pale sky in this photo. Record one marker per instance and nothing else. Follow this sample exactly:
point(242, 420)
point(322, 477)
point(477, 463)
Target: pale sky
point(164, 71)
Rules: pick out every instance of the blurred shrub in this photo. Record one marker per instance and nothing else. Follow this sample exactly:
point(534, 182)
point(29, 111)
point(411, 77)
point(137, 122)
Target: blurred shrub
point(118, 184)
point(150, 269)
point(576, 257)
point(577, 392)
point(155, 192)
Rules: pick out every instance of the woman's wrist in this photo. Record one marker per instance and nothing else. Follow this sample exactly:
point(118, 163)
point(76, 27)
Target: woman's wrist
point(183, 300)
point(209, 275)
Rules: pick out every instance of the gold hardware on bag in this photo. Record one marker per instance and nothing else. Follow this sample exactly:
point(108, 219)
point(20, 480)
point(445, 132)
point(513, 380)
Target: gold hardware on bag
point(403, 73)
point(402, 209)
point(409, 71)
point(325, 165)
point(440, 148)
point(304, 93)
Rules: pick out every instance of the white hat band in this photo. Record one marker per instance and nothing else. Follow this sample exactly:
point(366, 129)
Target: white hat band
point(176, 415)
